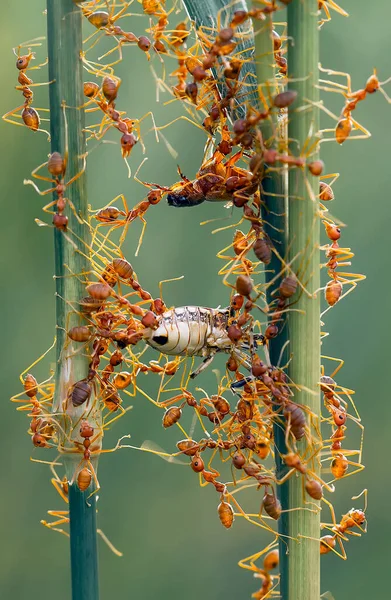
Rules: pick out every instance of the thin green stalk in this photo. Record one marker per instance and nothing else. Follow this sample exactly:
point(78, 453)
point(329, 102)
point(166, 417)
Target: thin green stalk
point(301, 579)
point(64, 22)
point(206, 13)
point(275, 224)
point(299, 557)
point(274, 207)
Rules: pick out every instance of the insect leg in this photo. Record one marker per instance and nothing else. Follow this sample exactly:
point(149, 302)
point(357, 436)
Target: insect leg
point(205, 363)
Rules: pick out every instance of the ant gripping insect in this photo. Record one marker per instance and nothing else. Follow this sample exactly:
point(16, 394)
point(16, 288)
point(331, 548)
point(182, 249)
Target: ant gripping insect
point(215, 181)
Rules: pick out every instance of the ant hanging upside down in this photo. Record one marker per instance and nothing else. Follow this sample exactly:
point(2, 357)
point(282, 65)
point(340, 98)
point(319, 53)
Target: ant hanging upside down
point(217, 180)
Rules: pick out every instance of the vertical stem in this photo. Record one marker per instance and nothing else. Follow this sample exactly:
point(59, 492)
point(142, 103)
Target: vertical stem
point(64, 23)
point(302, 579)
point(84, 552)
point(206, 13)
point(64, 45)
point(274, 209)
point(275, 224)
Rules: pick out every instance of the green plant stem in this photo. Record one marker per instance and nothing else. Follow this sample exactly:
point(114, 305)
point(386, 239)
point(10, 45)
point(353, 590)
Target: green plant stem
point(302, 576)
point(206, 13)
point(275, 224)
point(274, 196)
point(64, 22)
point(299, 558)
point(84, 552)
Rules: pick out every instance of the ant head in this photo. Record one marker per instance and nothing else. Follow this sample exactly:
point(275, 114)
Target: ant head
point(23, 61)
point(358, 516)
point(372, 84)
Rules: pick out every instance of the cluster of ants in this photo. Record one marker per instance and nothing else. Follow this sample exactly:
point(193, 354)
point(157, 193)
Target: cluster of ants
point(117, 317)
point(114, 323)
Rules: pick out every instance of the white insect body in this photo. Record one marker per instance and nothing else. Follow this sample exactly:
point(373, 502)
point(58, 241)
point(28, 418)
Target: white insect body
point(194, 331)
point(190, 331)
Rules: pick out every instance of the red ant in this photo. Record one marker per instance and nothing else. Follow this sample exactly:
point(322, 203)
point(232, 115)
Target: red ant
point(29, 115)
point(57, 168)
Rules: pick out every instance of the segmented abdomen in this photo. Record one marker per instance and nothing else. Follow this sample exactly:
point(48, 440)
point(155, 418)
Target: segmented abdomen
point(182, 331)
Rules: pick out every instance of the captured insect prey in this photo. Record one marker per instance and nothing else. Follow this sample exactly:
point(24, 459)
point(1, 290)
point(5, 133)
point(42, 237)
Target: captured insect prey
point(199, 331)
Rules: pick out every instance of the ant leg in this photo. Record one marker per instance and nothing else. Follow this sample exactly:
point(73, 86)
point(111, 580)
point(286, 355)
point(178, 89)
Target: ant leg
point(184, 118)
point(92, 35)
point(73, 208)
point(61, 521)
point(46, 208)
point(150, 113)
point(166, 281)
point(241, 513)
point(386, 96)
point(120, 196)
point(327, 13)
point(366, 134)
point(34, 173)
point(172, 400)
point(13, 112)
point(108, 543)
point(117, 47)
point(286, 477)
point(80, 173)
point(204, 365)
point(340, 362)
point(337, 8)
point(348, 86)
point(251, 559)
point(140, 241)
point(365, 494)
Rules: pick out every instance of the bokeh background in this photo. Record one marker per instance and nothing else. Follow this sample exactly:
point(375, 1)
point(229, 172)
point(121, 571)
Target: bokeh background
point(167, 527)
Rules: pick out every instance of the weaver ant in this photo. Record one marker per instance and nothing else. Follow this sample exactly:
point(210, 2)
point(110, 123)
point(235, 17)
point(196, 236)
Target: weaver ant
point(29, 115)
point(57, 166)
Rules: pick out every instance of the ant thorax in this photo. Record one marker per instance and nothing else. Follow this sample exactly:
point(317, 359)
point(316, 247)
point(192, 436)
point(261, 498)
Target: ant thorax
point(189, 331)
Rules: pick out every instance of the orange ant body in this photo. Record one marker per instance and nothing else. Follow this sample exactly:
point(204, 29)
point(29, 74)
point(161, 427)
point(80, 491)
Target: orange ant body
point(104, 98)
point(177, 39)
point(337, 257)
point(62, 516)
point(339, 461)
point(42, 425)
point(29, 115)
point(217, 180)
point(42, 428)
point(270, 562)
point(57, 167)
point(355, 518)
point(106, 22)
point(155, 8)
point(345, 123)
point(110, 214)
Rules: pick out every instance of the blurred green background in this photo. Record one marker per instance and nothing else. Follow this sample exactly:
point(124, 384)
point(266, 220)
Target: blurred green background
point(167, 527)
